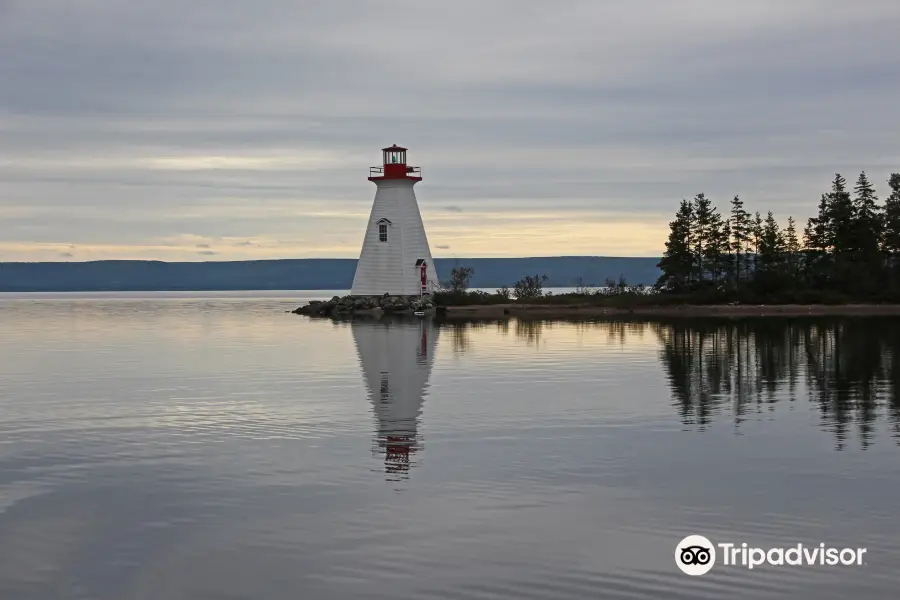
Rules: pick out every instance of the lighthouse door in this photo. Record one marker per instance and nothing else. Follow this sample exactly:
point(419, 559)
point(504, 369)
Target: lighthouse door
point(422, 265)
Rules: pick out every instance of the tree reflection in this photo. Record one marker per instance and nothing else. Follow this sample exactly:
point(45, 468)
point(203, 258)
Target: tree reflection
point(850, 369)
point(530, 330)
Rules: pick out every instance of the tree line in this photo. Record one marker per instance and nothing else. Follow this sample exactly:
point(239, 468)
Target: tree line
point(849, 250)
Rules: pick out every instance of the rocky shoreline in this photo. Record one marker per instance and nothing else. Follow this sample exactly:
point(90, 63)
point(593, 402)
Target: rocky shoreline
point(366, 305)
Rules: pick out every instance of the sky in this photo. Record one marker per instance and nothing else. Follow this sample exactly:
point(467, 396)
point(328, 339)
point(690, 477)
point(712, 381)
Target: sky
point(232, 130)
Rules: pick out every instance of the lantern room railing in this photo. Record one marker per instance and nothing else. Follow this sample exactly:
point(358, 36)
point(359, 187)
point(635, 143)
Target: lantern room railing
point(410, 171)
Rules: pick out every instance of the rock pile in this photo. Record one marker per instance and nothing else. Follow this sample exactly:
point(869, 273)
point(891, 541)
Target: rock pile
point(349, 305)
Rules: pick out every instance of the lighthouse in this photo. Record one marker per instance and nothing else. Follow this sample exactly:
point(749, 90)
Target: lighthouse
point(395, 257)
point(396, 359)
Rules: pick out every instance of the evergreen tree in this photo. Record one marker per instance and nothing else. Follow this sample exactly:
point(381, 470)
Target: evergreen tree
point(756, 231)
point(867, 218)
point(740, 238)
point(891, 229)
point(702, 233)
point(818, 231)
point(818, 243)
point(677, 264)
point(843, 235)
point(867, 226)
point(791, 248)
point(771, 247)
point(725, 264)
point(715, 249)
point(890, 236)
point(840, 213)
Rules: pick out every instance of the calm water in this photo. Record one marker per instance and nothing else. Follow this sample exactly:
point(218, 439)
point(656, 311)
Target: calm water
point(170, 447)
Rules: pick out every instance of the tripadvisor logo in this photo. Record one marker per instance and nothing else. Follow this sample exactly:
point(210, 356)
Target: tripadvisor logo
point(696, 555)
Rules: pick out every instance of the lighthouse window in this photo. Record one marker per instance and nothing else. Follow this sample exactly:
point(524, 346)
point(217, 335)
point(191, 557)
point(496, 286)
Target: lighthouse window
point(382, 232)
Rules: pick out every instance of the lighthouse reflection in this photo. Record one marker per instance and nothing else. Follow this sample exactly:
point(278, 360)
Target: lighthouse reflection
point(396, 357)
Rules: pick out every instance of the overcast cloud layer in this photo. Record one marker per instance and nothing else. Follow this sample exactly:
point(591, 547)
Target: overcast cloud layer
point(225, 129)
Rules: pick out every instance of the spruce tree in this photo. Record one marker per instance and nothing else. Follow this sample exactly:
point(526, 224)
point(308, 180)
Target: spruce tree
point(890, 236)
point(843, 234)
point(771, 245)
point(891, 231)
point(756, 231)
point(840, 217)
point(819, 243)
point(677, 263)
point(818, 231)
point(726, 257)
point(867, 225)
point(792, 249)
point(702, 233)
point(867, 218)
point(740, 238)
point(716, 249)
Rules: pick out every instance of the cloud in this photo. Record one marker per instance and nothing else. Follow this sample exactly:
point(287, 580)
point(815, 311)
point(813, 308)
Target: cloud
point(260, 122)
point(202, 245)
point(66, 255)
point(207, 253)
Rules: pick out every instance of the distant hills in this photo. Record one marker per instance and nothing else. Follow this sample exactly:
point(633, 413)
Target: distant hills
point(301, 274)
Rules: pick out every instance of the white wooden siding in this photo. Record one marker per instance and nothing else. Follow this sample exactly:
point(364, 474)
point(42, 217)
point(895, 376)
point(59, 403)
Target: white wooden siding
point(390, 267)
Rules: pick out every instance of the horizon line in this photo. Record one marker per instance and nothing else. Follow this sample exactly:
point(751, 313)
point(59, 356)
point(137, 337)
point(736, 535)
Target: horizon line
point(151, 260)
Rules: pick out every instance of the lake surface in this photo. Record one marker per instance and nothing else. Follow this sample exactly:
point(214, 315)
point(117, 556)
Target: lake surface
point(178, 446)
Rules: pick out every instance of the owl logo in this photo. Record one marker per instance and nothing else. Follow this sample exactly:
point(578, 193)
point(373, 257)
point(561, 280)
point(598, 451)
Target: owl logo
point(695, 555)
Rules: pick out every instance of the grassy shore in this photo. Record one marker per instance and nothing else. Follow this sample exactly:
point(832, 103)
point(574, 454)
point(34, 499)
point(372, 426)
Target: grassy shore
point(550, 311)
point(641, 303)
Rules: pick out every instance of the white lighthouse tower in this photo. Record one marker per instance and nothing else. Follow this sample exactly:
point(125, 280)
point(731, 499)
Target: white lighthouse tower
point(395, 257)
point(396, 359)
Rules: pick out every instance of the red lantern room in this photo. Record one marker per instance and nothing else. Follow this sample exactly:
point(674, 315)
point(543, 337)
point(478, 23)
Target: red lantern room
point(395, 166)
